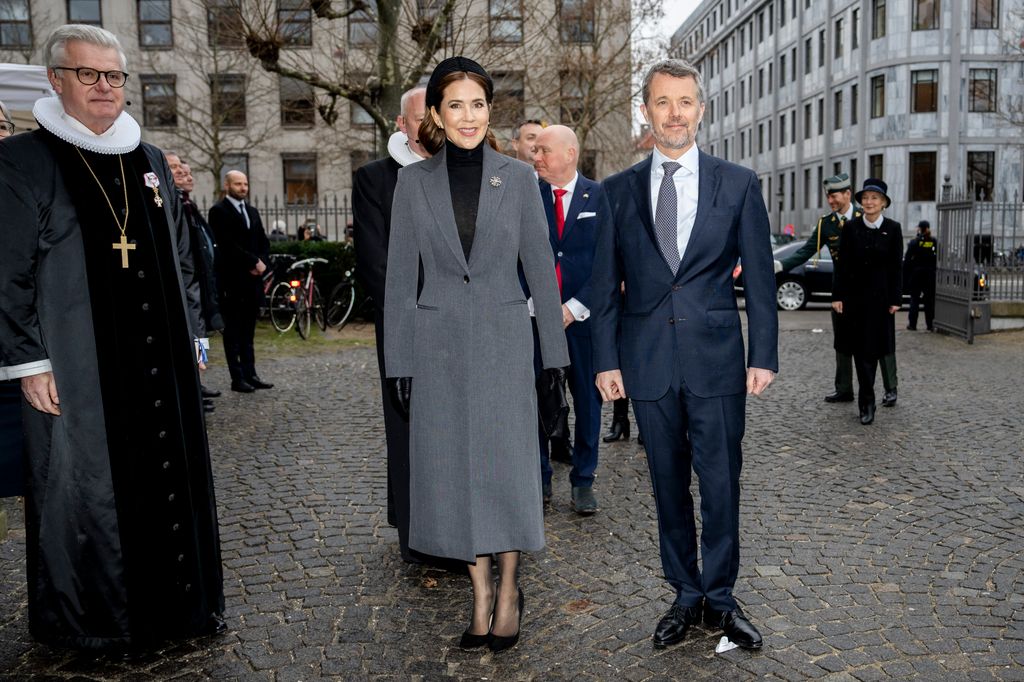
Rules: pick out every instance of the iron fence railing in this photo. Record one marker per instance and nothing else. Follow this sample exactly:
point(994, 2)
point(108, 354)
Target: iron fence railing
point(332, 217)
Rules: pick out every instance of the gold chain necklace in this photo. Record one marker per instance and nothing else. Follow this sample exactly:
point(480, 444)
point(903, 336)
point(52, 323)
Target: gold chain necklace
point(123, 246)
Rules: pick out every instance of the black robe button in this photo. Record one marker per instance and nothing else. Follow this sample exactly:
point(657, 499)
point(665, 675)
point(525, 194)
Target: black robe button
point(162, 434)
point(157, 403)
point(149, 339)
point(176, 526)
point(170, 498)
point(181, 558)
point(153, 371)
point(145, 306)
point(188, 587)
point(167, 465)
point(142, 274)
point(465, 278)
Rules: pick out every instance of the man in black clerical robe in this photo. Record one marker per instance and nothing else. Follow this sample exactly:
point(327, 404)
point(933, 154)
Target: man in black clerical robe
point(98, 309)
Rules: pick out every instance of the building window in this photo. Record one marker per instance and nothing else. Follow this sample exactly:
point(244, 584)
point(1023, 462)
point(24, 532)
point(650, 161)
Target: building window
point(760, 138)
point(782, 12)
point(922, 176)
point(926, 14)
point(878, 19)
point(572, 103)
point(792, 126)
point(358, 116)
point(837, 110)
point(855, 29)
point(771, 77)
point(808, 114)
point(853, 172)
point(577, 20)
point(230, 162)
point(924, 91)
point(84, 12)
point(807, 188)
point(299, 178)
point(760, 82)
point(838, 37)
point(298, 105)
point(295, 22)
point(362, 26)
point(821, 115)
point(771, 135)
point(821, 48)
point(875, 166)
point(782, 130)
point(782, 70)
point(506, 21)
point(854, 103)
point(877, 96)
point(984, 13)
point(509, 99)
point(15, 24)
point(227, 99)
point(725, 104)
point(983, 90)
point(808, 55)
point(155, 23)
point(743, 40)
point(725, 149)
point(760, 27)
point(743, 143)
point(792, 65)
point(224, 23)
point(159, 101)
point(981, 174)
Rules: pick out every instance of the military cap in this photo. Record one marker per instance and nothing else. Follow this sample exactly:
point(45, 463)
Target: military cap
point(837, 183)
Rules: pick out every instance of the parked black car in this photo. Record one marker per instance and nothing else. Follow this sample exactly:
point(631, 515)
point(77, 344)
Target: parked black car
point(811, 281)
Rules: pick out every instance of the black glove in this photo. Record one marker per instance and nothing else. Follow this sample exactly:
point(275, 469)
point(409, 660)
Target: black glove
point(400, 389)
point(552, 405)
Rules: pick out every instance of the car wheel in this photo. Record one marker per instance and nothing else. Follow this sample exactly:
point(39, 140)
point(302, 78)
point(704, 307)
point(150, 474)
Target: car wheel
point(790, 295)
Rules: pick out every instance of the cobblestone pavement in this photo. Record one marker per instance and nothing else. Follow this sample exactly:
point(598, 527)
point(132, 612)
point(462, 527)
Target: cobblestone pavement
point(885, 552)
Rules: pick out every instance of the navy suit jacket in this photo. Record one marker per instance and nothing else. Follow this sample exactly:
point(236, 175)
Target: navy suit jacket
point(574, 252)
point(689, 317)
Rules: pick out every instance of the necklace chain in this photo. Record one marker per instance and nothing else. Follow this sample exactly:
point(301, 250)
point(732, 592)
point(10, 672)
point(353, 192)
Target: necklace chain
point(124, 185)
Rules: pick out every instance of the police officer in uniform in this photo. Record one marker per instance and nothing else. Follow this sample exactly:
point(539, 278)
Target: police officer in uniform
point(826, 233)
point(919, 264)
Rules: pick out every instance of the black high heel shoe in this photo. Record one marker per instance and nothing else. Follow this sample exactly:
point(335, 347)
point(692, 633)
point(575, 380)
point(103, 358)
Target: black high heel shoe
point(499, 643)
point(471, 641)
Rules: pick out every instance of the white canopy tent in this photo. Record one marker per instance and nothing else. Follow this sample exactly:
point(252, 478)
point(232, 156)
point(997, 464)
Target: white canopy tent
point(20, 86)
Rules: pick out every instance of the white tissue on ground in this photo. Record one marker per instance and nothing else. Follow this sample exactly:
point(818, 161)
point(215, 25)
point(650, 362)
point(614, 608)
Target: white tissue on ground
point(724, 645)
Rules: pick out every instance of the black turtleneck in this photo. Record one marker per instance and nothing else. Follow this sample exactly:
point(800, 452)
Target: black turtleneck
point(465, 170)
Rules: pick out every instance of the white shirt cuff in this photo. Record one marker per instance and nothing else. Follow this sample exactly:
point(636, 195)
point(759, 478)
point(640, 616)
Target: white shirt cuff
point(579, 311)
point(27, 369)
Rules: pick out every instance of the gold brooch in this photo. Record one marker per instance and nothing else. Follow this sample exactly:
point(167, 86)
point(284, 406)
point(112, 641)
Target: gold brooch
point(495, 181)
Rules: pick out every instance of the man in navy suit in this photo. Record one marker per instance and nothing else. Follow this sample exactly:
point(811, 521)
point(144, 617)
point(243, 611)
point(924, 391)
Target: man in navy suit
point(673, 228)
point(570, 201)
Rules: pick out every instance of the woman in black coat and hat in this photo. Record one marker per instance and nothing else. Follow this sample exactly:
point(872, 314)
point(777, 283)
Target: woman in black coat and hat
point(867, 290)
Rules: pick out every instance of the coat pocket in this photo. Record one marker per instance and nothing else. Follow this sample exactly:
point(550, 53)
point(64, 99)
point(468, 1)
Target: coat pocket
point(518, 301)
point(723, 318)
point(422, 306)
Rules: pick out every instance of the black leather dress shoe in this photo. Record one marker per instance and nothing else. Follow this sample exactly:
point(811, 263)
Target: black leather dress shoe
point(867, 414)
point(737, 628)
point(242, 387)
point(619, 429)
point(256, 382)
point(561, 451)
point(889, 399)
point(674, 625)
point(838, 397)
point(209, 392)
point(583, 501)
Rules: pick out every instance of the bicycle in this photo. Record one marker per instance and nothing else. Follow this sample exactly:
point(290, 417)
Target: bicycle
point(298, 302)
point(277, 266)
point(342, 301)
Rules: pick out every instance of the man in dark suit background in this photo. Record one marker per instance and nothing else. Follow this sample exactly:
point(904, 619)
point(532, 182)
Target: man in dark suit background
point(570, 202)
point(673, 228)
point(372, 193)
point(242, 254)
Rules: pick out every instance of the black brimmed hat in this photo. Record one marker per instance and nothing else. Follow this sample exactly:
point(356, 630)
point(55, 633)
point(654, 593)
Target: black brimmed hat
point(874, 185)
point(453, 65)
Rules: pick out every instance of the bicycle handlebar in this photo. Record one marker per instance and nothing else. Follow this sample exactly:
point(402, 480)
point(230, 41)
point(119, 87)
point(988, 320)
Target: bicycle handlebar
point(304, 261)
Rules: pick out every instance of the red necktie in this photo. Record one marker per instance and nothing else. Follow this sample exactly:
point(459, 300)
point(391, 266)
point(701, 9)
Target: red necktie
point(560, 224)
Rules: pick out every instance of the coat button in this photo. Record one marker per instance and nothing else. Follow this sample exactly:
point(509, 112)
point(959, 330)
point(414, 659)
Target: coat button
point(176, 526)
point(181, 558)
point(188, 587)
point(167, 465)
point(676, 287)
point(170, 498)
point(671, 320)
point(559, 254)
point(145, 306)
point(465, 278)
point(157, 403)
point(162, 434)
point(142, 274)
point(154, 371)
point(149, 339)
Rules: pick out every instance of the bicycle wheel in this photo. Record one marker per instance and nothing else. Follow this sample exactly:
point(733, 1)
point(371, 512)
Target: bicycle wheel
point(340, 304)
point(303, 313)
point(319, 314)
point(282, 307)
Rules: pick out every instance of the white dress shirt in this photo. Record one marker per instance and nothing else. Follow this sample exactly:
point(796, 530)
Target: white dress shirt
point(848, 216)
point(237, 203)
point(687, 182)
point(875, 225)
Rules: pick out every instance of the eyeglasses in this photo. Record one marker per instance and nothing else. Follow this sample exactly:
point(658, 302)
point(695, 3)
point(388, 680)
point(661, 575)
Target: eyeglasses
point(6, 127)
point(87, 76)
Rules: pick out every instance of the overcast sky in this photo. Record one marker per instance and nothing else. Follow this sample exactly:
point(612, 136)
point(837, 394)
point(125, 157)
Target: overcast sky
point(676, 12)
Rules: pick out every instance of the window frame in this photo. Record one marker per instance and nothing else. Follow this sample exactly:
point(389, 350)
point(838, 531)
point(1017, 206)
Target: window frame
point(918, 187)
point(220, 108)
point(142, 23)
point(878, 18)
point(300, 14)
point(577, 27)
point(224, 24)
point(149, 114)
point(974, 170)
point(24, 29)
point(293, 116)
point(993, 19)
point(973, 100)
point(299, 157)
point(918, 81)
point(73, 20)
point(930, 21)
point(878, 96)
point(505, 16)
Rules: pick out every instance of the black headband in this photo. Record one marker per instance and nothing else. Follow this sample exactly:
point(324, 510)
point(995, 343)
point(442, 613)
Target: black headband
point(454, 65)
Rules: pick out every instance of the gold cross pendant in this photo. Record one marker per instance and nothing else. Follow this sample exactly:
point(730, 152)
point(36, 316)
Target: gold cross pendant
point(124, 247)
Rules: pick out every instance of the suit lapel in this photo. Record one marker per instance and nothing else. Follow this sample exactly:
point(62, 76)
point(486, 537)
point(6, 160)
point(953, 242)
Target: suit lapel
point(707, 188)
point(580, 198)
point(641, 181)
point(493, 182)
point(548, 200)
point(439, 196)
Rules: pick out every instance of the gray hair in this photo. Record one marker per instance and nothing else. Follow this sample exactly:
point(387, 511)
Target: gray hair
point(408, 94)
point(3, 111)
point(94, 35)
point(677, 68)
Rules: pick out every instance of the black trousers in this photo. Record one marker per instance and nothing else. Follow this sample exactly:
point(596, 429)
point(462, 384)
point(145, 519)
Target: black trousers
point(396, 431)
point(239, 330)
point(922, 291)
point(866, 367)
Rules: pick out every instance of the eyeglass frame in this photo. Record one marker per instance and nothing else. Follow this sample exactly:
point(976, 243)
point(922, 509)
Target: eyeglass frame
point(78, 74)
point(7, 122)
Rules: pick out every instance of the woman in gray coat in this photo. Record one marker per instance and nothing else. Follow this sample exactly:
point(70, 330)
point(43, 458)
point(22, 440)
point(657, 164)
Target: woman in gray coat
point(460, 352)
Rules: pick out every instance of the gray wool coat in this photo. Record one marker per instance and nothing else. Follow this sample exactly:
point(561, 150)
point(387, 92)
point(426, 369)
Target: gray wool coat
point(467, 342)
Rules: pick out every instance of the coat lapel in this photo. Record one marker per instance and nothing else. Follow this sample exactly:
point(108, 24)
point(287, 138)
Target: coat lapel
point(580, 198)
point(548, 200)
point(641, 181)
point(439, 196)
point(493, 182)
point(707, 188)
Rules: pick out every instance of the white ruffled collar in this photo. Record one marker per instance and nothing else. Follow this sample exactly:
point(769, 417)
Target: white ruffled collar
point(400, 151)
point(122, 137)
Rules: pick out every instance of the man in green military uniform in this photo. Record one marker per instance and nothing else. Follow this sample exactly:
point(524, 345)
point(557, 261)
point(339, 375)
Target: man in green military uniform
point(826, 234)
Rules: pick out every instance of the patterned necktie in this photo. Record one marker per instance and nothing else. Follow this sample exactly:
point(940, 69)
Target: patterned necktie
point(666, 217)
point(245, 214)
point(560, 224)
point(842, 220)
